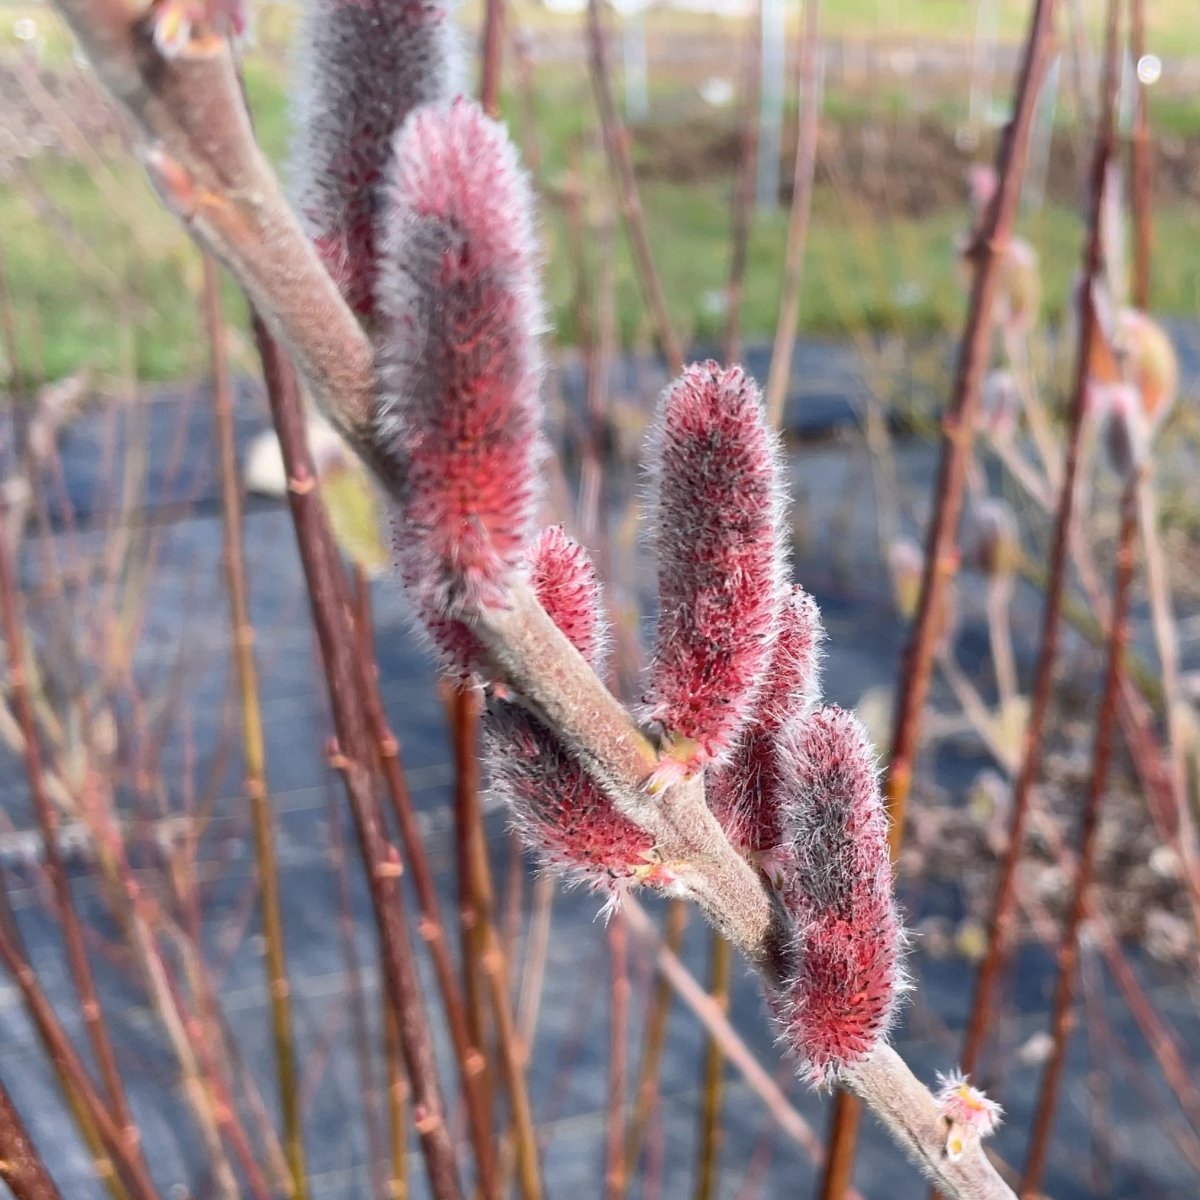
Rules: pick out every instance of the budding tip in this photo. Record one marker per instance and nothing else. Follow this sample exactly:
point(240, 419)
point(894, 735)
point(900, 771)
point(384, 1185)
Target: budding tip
point(969, 1112)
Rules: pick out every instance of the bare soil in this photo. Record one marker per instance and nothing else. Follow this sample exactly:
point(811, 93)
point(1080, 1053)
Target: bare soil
point(908, 167)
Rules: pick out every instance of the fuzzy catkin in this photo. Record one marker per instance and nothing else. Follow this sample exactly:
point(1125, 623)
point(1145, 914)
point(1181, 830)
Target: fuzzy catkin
point(559, 810)
point(458, 359)
point(719, 536)
point(364, 65)
point(846, 932)
point(748, 793)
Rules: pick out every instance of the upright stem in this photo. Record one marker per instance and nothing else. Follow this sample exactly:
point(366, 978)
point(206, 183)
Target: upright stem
point(617, 1169)
point(70, 1067)
point(655, 1039)
point(1068, 951)
point(616, 141)
point(1002, 916)
point(47, 819)
point(483, 956)
point(958, 424)
point(472, 1065)
point(491, 57)
point(1143, 182)
point(326, 588)
point(1166, 641)
point(398, 1093)
point(743, 195)
point(719, 978)
point(21, 1167)
point(253, 749)
point(462, 713)
point(780, 373)
point(958, 429)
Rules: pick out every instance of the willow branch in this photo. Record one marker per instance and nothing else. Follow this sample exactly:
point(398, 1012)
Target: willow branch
point(199, 150)
point(21, 1167)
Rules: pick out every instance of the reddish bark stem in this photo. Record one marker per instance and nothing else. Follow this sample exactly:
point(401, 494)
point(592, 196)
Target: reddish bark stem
point(1002, 916)
point(1068, 953)
point(958, 426)
point(21, 1167)
point(326, 589)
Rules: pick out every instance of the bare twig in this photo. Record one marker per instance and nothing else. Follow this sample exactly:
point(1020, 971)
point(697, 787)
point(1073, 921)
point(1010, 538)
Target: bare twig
point(616, 141)
point(48, 823)
point(720, 973)
point(21, 1167)
point(958, 426)
point(382, 865)
point(743, 195)
point(1000, 924)
point(780, 373)
point(1141, 194)
point(279, 990)
point(1068, 953)
point(202, 157)
point(491, 57)
point(654, 1041)
point(472, 1064)
point(617, 1170)
point(70, 1066)
point(484, 962)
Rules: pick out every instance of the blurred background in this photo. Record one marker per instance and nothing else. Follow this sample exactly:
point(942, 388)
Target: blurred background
point(712, 134)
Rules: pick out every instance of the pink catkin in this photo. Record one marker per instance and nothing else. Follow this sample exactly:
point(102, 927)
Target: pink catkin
point(747, 794)
point(364, 65)
point(557, 807)
point(458, 360)
point(718, 523)
point(565, 581)
point(846, 931)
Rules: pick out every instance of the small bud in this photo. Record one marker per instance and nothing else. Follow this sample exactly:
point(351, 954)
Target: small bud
point(1000, 404)
point(1018, 282)
point(906, 564)
point(1133, 349)
point(565, 581)
point(970, 1114)
point(846, 932)
point(459, 364)
point(981, 179)
point(1019, 292)
point(364, 65)
point(994, 539)
point(1127, 432)
point(719, 535)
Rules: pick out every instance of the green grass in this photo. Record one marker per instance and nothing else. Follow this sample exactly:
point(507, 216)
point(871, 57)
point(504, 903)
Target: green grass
point(102, 277)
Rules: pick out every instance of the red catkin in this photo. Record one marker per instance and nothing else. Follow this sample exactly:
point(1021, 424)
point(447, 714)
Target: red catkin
point(558, 809)
point(719, 535)
point(458, 359)
point(846, 932)
point(364, 65)
point(747, 794)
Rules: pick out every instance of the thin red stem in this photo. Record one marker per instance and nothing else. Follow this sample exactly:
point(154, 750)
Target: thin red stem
point(335, 635)
point(1068, 951)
